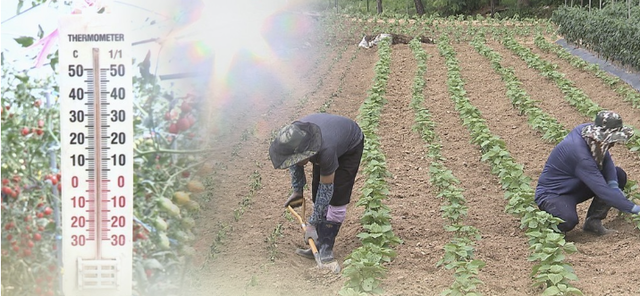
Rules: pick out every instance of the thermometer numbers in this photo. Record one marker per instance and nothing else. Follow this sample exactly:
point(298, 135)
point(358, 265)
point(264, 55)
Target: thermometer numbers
point(118, 116)
point(76, 138)
point(78, 221)
point(78, 240)
point(118, 240)
point(118, 93)
point(77, 94)
point(76, 70)
point(76, 116)
point(119, 201)
point(79, 201)
point(116, 70)
point(78, 160)
point(118, 138)
point(118, 221)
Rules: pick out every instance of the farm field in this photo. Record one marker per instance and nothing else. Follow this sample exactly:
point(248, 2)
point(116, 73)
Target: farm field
point(493, 81)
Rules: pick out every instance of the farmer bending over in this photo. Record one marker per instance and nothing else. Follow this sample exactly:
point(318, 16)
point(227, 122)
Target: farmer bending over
point(333, 144)
point(579, 168)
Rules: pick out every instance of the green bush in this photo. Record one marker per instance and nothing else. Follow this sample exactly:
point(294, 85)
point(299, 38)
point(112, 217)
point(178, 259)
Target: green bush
point(606, 31)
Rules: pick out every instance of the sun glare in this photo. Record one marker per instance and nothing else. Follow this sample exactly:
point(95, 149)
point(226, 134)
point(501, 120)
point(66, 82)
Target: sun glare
point(232, 27)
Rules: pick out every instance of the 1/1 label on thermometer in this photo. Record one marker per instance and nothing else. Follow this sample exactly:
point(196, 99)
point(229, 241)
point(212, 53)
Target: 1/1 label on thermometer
point(96, 130)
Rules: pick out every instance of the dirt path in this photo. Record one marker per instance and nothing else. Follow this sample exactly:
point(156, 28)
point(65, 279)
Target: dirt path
point(487, 92)
point(539, 88)
point(597, 91)
point(414, 207)
point(503, 246)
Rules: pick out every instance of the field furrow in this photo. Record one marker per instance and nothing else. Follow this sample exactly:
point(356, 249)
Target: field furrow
point(551, 100)
point(327, 86)
point(487, 92)
point(422, 231)
point(629, 93)
point(502, 240)
point(592, 86)
point(545, 92)
point(354, 85)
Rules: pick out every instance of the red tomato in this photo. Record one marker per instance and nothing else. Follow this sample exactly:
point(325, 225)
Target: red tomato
point(173, 128)
point(183, 124)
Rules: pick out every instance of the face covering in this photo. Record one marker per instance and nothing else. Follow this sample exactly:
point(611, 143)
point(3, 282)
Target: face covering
point(601, 138)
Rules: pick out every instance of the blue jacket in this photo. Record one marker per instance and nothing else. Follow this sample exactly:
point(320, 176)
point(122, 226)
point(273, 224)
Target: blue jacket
point(571, 170)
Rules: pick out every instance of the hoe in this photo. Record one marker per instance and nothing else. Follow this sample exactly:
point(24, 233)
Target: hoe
point(333, 266)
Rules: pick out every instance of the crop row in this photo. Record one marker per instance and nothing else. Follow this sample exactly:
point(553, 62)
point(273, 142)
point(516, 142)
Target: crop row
point(546, 242)
point(364, 266)
point(578, 99)
point(459, 253)
point(550, 128)
point(538, 119)
point(574, 95)
point(630, 95)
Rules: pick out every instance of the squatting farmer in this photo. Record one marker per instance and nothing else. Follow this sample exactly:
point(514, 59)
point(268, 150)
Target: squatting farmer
point(333, 144)
point(580, 168)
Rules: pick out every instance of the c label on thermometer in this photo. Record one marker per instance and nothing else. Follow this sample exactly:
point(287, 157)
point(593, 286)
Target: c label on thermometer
point(96, 131)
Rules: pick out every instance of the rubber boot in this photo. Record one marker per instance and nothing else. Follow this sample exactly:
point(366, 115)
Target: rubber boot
point(597, 212)
point(327, 232)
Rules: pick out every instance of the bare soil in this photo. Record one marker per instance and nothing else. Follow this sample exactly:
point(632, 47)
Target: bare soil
point(253, 253)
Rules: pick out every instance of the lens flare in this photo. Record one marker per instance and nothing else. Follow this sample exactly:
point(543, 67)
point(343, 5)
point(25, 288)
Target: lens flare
point(248, 43)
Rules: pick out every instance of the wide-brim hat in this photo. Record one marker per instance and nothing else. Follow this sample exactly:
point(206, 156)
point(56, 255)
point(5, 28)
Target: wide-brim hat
point(294, 143)
point(608, 129)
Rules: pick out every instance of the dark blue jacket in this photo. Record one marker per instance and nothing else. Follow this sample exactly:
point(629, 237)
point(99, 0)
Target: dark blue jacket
point(571, 170)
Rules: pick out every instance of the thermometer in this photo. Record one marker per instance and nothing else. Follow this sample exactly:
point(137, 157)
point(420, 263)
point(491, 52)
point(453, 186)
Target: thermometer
point(96, 131)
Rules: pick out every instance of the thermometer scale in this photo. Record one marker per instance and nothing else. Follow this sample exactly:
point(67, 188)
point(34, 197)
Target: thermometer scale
point(96, 130)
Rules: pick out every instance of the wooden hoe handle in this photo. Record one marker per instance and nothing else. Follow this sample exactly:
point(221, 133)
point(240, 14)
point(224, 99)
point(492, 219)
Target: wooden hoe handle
point(304, 228)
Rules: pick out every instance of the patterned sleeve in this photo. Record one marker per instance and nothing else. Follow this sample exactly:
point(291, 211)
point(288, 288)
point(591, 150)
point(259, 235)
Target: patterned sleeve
point(298, 178)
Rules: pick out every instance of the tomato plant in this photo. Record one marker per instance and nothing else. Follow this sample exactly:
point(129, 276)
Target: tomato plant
point(28, 228)
point(167, 178)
